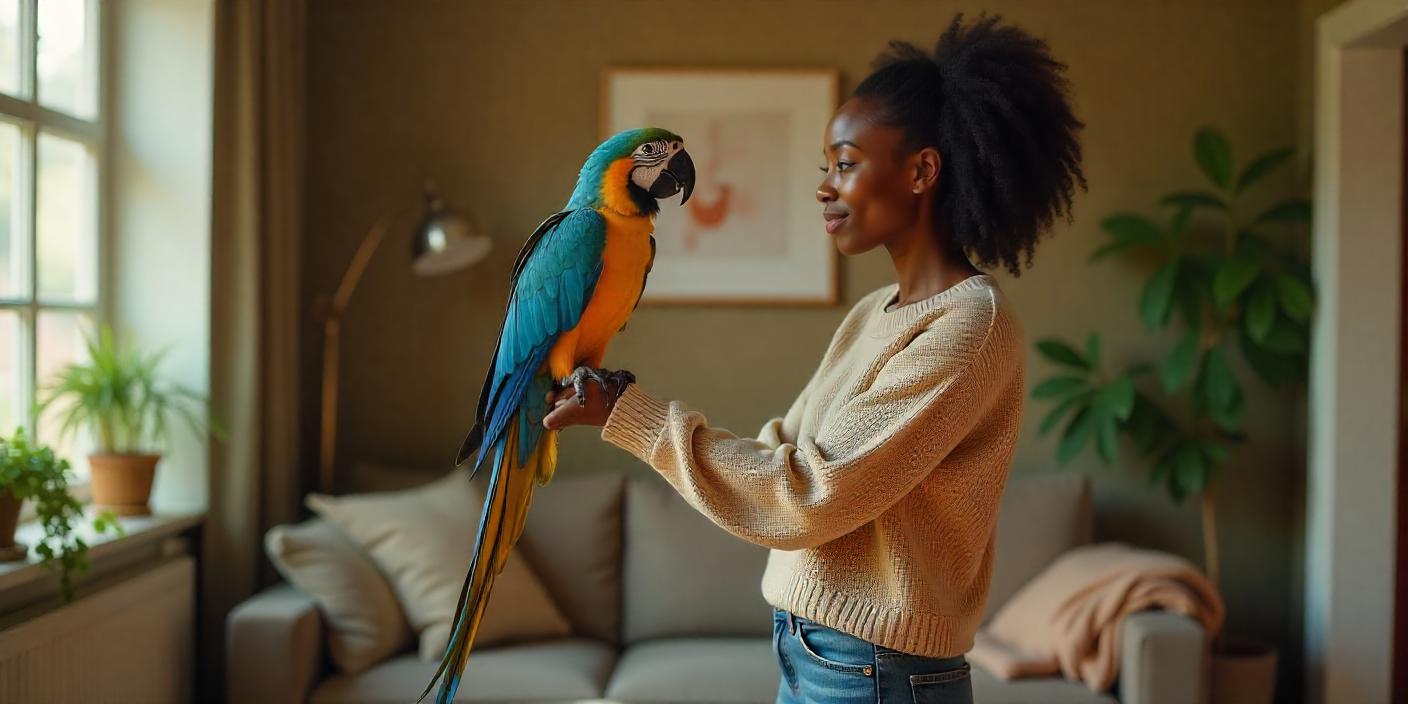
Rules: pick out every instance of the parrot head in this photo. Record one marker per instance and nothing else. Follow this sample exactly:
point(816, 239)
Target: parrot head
point(633, 170)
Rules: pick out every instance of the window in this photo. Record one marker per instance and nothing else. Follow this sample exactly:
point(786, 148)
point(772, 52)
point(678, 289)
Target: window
point(50, 245)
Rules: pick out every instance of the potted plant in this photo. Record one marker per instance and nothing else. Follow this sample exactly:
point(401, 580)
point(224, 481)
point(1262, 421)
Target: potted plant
point(116, 394)
point(1238, 288)
point(33, 472)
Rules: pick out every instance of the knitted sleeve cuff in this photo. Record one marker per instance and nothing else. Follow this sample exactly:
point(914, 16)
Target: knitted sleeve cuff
point(636, 422)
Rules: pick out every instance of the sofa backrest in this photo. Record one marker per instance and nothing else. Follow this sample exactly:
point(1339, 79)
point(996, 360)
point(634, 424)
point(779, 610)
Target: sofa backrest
point(683, 575)
point(1040, 517)
point(572, 539)
point(627, 559)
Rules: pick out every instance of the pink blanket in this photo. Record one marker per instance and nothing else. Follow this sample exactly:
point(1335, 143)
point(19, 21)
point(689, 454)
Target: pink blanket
point(1068, 619)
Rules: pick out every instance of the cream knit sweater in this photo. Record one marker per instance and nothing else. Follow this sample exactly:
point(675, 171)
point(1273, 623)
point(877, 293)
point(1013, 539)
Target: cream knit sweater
point(878, 491)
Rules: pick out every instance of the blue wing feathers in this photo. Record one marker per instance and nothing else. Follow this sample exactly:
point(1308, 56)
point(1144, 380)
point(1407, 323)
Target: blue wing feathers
point(550, 293)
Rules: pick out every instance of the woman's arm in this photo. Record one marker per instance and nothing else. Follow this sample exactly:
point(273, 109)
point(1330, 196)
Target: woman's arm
point(866, 456)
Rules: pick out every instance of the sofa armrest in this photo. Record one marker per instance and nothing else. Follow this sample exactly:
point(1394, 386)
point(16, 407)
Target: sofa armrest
point(1163, 660)
point(274, 648)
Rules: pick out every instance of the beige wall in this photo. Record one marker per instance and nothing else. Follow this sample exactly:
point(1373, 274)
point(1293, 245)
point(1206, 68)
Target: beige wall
point(499, 104)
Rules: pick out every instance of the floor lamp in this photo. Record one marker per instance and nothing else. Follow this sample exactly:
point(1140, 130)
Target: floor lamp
point(442, 243)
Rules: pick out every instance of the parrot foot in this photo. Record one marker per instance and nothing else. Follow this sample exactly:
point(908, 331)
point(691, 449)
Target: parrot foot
point(613, 382)
point(578, 380)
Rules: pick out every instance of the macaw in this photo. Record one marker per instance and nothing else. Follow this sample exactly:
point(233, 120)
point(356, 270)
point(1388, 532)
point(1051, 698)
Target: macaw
point(574, 285)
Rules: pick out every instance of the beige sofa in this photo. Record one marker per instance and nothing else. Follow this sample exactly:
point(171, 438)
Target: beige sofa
point(665, 607)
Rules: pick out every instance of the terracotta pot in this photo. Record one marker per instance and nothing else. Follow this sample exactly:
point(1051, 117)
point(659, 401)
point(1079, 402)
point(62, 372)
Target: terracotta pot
point(122, 483)
point(1243, 672)
point(9, 518)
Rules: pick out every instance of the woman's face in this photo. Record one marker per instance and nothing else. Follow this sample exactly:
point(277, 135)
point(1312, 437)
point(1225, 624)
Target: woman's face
point(872, 190)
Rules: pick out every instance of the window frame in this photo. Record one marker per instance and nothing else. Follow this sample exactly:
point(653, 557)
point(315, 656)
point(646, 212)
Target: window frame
point(32, 118)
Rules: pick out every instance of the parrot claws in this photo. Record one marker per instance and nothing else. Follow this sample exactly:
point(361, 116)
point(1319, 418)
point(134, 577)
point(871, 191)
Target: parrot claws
point(579, 378)
point(612, 382)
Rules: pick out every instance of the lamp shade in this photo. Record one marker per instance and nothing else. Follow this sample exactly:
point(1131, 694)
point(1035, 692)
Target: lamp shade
point(445, 242)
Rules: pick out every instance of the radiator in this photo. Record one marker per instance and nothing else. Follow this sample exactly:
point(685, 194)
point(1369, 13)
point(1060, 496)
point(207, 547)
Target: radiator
point(131, 642)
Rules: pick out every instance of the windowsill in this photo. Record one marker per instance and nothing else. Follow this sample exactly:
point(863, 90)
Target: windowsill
point(141, 531)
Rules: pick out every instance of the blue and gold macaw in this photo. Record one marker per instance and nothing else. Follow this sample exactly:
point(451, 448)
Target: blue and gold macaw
point(574, 285)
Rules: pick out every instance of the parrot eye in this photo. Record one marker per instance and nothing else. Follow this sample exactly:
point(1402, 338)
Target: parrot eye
point(647, 149)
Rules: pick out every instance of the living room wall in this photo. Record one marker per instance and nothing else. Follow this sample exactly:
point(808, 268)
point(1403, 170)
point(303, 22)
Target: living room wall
point(499, 104)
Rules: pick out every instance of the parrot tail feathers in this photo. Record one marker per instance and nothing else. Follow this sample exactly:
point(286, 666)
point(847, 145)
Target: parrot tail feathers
point(505, 509)
point(544, 459)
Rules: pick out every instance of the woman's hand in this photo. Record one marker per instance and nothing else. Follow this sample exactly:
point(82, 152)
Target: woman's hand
point(566, 411)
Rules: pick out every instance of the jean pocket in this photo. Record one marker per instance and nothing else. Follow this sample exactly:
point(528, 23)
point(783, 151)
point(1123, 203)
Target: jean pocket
point(833, 649)
point(953, 686)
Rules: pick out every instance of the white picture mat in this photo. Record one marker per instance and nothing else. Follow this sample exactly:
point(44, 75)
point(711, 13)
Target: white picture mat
point(806, 271)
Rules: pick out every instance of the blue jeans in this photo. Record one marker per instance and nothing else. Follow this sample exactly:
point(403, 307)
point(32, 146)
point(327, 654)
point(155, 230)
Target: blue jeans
point(821, 665)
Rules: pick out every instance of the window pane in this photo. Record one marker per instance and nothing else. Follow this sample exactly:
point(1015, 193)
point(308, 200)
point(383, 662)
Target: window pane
point(11, 403)
point(60, 344)
point(67, 65)
point(67, 221)
point(14, 240)
point(10, 47)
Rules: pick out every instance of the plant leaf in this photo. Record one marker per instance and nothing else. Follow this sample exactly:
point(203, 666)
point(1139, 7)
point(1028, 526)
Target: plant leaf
point(1180, 363)
point(1191, 469)
point(1216, 453)
point(1296, 298)
point(1264, 164)
point(1059, 386)
point(1076, 434)
point(1128, 230)
point(1218, 385)
point(1107, 439)
point(1055, 415)
point(1188, 294)
point(1286, 338)
point(1154, 300)
point(1061, 353)
point(1232, 277)
point(1273, 368)
point(1116, 399)
point(1194, 199)
point(1230, 415)
point(1092, 349)
point(1261, 309)
point(1296, 210)
point(1214, 156)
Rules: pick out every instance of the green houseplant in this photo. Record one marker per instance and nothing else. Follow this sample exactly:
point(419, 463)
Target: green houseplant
point(33, 472)
point(1235, 286)
point(118, 396)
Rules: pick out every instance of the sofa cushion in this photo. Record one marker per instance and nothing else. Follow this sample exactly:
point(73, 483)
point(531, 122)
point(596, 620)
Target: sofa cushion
point(365, 623)
point(1040, 518)
point(684, 575)
point(422, 539)
point(573, 541)
point(565, 669)
point(696, 670)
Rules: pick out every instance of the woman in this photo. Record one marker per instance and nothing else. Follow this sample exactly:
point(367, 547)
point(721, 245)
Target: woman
point(878, 490)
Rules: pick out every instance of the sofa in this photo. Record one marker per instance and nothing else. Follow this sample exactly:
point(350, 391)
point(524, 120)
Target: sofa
point(664, 606)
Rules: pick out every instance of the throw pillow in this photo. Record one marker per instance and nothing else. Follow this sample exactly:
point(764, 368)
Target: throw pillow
point(365, 624)
point(421, 539)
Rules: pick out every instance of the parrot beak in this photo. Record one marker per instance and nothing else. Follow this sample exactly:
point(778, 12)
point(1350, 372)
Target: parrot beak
point(678, 176)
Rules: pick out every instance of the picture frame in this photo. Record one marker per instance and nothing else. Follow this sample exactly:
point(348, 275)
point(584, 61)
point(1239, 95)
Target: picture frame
point(752, 232)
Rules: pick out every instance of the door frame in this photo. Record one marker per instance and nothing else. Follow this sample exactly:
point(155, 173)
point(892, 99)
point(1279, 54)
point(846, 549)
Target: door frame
point(1352, 477)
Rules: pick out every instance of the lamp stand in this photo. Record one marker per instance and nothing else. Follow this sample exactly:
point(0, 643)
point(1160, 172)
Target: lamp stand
point(331, 314)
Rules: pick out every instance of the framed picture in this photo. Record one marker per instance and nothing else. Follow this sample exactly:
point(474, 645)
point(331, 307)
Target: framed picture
point(751, 233)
